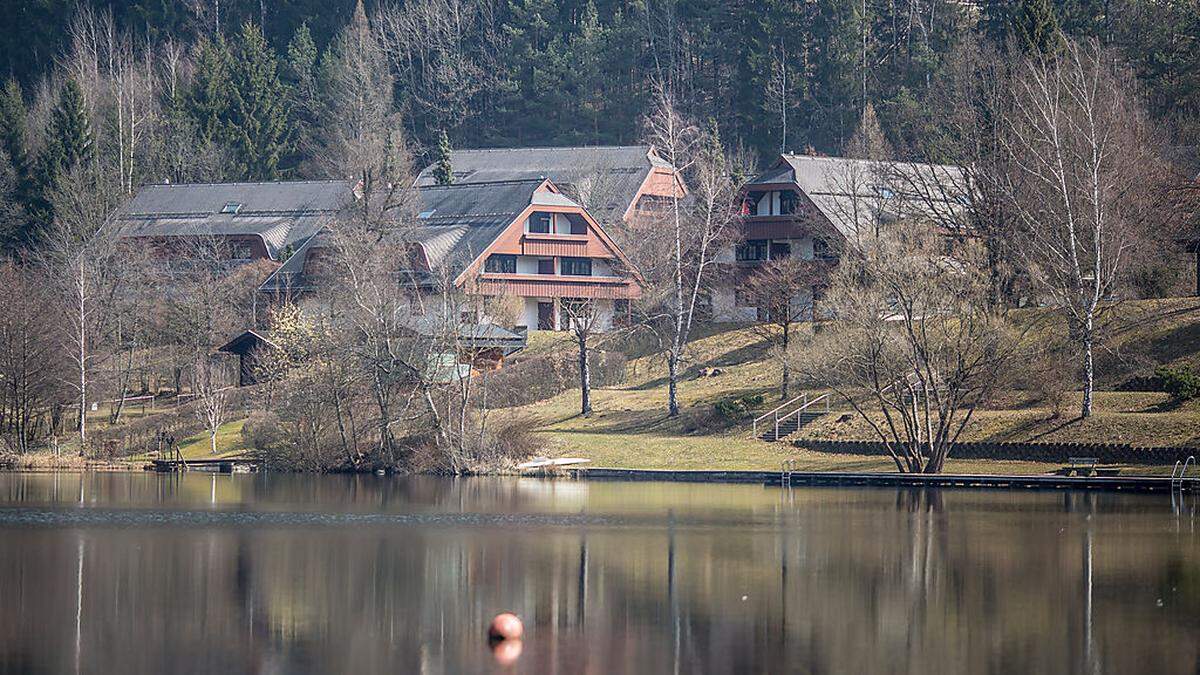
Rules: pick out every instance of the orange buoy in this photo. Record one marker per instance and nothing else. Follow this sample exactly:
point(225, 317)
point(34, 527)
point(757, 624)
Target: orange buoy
point(506, 652)
point(506, 626)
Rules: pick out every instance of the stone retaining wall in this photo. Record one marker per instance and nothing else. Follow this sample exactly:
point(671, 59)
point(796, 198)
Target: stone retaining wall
point(1106, 453)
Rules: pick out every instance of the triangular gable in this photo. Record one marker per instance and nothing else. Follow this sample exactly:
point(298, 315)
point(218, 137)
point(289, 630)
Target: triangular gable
point(511, 235)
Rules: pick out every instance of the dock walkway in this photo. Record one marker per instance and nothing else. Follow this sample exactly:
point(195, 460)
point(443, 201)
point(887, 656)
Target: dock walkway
point(829, 478)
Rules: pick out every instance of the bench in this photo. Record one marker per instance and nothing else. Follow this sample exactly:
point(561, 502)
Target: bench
point(1086, 466)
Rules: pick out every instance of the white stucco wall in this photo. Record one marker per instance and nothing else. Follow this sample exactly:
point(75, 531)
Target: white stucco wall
point(723, 296)
point(604, 318)
point(527, 264)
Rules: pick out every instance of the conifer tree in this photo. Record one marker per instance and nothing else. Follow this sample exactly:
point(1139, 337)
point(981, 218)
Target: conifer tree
point(211, 96)
point(15, 188)
point(69, 143)
point(1035, 27)
point(12, 126)
point(443, 170)
point(258, 113)
point(300, 76)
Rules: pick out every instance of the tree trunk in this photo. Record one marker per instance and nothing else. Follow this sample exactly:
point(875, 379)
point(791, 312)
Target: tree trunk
point(585, 378)
point(785, 384)
point(212, 441)
point(1088, 368)
point(672, 385)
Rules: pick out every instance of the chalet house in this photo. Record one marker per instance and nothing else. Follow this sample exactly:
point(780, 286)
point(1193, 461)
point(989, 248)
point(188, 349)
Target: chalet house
point(815, 207)
point(615, 183)
point(519, 238)
point(252, 221)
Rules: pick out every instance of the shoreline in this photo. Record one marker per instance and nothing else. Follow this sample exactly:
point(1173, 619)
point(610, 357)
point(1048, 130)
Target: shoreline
point(859, 479)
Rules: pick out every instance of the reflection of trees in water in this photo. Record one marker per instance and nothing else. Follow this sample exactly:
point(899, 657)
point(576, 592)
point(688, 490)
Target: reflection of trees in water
point(835, 581)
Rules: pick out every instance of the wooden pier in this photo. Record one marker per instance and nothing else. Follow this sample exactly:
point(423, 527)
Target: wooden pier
point(217, 465)
point(841, 479)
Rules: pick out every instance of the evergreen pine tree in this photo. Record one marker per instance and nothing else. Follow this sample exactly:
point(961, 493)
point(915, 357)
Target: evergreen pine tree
point(1035, 27)
point(443, 171)
point(258, 114)
point(210, 100)
point(12, 127)
point(69, 143)
point(300, 70)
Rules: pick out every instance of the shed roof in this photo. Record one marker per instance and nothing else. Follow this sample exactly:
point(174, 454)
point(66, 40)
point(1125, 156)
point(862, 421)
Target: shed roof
point(605, 179)
point(280, 213)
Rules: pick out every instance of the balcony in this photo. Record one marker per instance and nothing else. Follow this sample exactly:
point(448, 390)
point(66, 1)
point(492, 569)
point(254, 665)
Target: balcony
point(556, 286)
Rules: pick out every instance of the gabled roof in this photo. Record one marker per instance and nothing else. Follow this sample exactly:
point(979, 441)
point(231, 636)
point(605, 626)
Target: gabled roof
point(280, 213)
point(612, 174)
point(853, 193)
point(455, 224)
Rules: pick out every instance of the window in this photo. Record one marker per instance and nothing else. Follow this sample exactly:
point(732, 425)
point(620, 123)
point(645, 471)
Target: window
point(503, 264)
point(821, 250)
point(788, 203)
point(578, 224)
point(884, 192)
point(539, 223)
point(577, 267)
point(231, 207)
point(575, 312)
point(241, 250)
point(545, 265)
point(752, 249)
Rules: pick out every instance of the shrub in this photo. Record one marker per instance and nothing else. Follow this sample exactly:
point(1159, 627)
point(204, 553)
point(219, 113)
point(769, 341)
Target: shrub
point(1181, 383)
point(737, 408)
point(542, 377)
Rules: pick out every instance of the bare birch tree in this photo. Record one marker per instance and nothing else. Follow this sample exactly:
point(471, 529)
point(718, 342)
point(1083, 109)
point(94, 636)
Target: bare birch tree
point(691, 231)
point(210, 385)
point(78, 255)
point(1082, 154)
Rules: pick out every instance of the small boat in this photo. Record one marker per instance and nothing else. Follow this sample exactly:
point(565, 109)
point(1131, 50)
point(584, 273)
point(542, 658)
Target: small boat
point(547, 463)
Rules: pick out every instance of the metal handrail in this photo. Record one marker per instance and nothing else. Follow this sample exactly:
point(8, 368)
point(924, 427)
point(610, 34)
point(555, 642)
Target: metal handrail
point(1190, 461)
point(779, 407)
point(785, 472)
point(779, 418)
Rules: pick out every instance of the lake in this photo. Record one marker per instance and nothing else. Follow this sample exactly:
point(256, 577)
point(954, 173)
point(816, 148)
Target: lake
point(264, 573)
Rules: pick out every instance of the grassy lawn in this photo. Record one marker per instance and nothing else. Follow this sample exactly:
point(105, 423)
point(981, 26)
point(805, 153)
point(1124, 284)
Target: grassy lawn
point(229, 442)
point(630, 429)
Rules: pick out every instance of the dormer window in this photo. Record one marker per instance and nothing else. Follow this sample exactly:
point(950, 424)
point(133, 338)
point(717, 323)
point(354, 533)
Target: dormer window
point(231, 207)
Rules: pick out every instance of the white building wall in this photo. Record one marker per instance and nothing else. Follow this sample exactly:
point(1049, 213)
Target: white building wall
point(724, 297)
point(529, 314)
point(527, 264)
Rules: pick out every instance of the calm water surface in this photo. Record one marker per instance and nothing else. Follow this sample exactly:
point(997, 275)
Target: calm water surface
point(148, 573)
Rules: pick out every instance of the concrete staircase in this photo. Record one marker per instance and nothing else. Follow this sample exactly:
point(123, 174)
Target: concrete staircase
point(789, 426)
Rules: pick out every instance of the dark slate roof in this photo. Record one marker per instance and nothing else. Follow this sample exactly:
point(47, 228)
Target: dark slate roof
point(455, 223)
point(608, 174)
point(282, 214)
point(845, 190)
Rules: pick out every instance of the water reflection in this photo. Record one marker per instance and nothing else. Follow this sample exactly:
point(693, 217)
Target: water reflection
point(199, 573)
